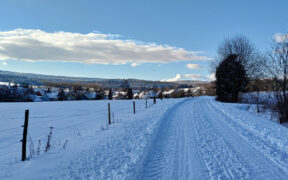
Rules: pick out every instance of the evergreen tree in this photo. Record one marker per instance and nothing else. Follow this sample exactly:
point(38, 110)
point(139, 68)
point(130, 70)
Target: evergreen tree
point(129, 93)
point(127, 89)
point(110, 95)
point(231, 79)
point(161, 95)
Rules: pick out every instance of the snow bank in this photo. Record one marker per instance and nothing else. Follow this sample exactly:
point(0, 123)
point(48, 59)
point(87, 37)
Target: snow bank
point(266, 136)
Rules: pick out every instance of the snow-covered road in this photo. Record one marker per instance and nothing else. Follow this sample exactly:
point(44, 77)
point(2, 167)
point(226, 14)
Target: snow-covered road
point(197, 140)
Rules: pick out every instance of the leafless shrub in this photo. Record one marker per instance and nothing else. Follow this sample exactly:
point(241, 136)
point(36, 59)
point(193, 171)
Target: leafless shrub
point(31, 147)
point(48, 143)
point(65, 144)
point(38, 147)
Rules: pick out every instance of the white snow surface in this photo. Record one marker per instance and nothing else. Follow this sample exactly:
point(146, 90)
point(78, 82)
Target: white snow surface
point(192, 138)
point(95, 150)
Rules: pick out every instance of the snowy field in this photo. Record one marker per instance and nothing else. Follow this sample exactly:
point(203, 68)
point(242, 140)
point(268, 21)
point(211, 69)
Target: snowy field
point(175, 139)
point(84, 125)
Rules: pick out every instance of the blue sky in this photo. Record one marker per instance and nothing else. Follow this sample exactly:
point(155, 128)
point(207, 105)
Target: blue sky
point(174, 29)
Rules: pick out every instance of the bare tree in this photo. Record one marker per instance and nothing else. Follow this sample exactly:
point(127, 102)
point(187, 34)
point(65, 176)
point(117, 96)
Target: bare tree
point(243, 48)
point(257, 75)
point(277, 65)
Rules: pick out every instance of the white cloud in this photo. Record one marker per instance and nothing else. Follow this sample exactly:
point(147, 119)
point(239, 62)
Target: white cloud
point(193, 66)
point(4, 64)
point(176, 78)
point(135, 64)
point(196, 77)
point(38, 45)
point(212, 77)
point(279, 37)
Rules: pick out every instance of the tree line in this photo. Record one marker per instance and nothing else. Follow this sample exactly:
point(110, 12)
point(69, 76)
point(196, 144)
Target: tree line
point(240, 67)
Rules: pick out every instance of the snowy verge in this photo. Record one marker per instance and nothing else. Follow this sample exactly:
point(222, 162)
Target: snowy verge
point(97, 152)
point(266, 136)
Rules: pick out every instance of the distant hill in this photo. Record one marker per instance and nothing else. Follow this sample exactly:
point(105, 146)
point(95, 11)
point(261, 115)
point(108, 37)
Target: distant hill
point(192, 82)
point(39, 79)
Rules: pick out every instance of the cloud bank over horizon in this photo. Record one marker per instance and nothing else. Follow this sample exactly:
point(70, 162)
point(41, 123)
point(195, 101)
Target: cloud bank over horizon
point(91, 48)
point(199, 77)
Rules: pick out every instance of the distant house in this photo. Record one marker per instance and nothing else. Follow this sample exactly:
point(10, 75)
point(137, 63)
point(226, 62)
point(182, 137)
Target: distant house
point(136, 96)
point(82, 96)
point(168, 93)
point(39, 91)
point(105, 94)
point(143, 95)
point(119, 95)
point(71, 96)
point(34, 98)
point(66, 90)
point(196, 91)
point(91, 89)
point(50, 97)
point(91, 95)
point(136, 93)
point(153, 94)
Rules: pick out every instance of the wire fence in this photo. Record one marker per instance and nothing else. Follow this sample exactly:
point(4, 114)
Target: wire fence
point(69, 120)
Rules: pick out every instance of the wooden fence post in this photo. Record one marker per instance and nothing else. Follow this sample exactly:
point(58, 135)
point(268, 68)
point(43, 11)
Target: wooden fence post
point(146, 103)
point(134, 110)
point(109, 114)
point(25, 130)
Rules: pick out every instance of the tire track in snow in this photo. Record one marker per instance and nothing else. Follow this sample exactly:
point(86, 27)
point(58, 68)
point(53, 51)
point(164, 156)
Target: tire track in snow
point(222, 162)
point(195, 142)
point(173, 153)
point(265, 150)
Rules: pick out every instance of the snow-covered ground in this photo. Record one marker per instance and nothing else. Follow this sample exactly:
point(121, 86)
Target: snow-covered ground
point(205, 139)
point(262, 103)
point(175, 139)
point(84, 125)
